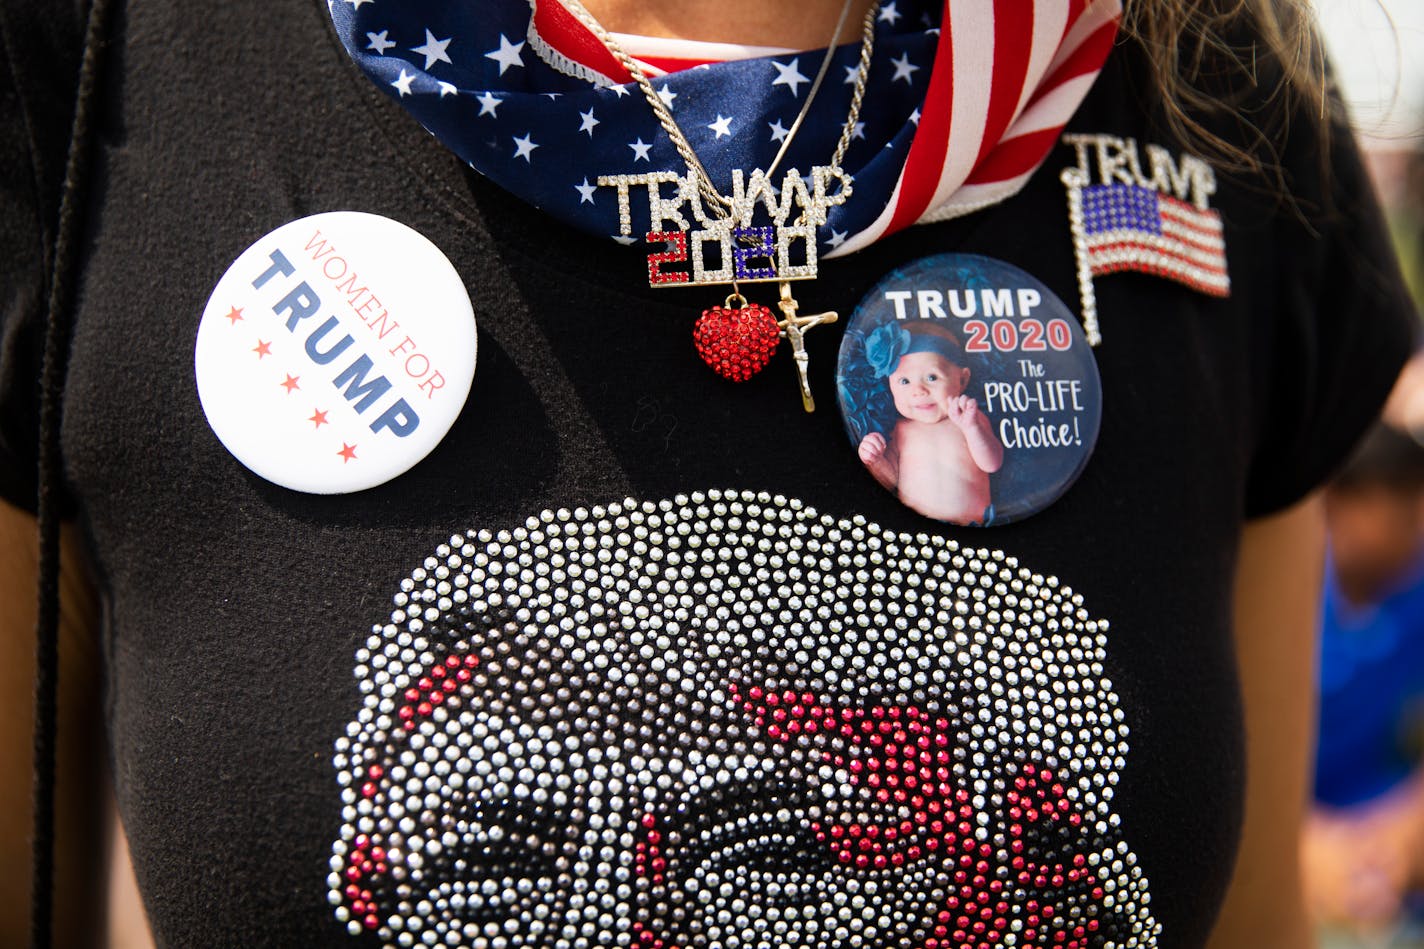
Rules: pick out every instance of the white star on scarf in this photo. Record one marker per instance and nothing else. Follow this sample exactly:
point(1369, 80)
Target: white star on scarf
point(588, 122)
point(723, 125)
point(585, 191)
point(446, 88)
point(667, 95)
point(379, 42)
point(524, 147)
point(837, 238)
point(778, 133)
point(402, 84)
point(489, 103)
point(640, 149)
point(903, 68)
point(433, 50)
point(507, 55)
point(888, 14)
point(788, 75)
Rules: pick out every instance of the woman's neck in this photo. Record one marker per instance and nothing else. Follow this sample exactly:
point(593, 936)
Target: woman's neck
point(805, 24)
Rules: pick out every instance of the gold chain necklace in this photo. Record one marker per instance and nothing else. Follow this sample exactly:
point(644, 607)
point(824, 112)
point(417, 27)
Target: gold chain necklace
point(739, 338)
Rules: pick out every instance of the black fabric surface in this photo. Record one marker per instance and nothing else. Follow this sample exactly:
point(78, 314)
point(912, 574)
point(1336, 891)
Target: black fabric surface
point(233, 608)
point(40, 46)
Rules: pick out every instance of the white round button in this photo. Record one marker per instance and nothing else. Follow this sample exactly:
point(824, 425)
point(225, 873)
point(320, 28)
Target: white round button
point(335, 352)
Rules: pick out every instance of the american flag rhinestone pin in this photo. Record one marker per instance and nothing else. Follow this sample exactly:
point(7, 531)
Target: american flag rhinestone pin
point(1118, 226)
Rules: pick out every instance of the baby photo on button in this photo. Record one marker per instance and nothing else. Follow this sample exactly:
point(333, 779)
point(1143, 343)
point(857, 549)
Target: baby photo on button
point(941, 449)
point(968, 390)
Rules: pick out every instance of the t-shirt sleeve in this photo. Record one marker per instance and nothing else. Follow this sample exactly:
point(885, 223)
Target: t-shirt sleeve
point(40, 49)
point(1343, 326)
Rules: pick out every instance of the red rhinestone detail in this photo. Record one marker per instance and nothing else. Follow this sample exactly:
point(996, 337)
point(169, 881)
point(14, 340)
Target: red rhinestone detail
point(736, 343)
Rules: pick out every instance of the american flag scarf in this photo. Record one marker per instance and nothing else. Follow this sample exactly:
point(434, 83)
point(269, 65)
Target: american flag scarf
point(964, 99)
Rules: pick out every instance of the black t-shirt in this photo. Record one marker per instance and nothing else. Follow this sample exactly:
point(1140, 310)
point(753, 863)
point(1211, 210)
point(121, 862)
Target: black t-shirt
point(710, 685)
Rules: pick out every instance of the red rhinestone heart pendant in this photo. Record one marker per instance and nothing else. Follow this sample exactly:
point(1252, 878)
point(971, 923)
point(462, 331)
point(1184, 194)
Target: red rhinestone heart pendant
point(737, 340)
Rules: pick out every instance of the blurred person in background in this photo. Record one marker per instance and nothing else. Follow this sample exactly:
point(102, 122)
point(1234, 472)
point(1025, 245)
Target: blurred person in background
point(1365, 841)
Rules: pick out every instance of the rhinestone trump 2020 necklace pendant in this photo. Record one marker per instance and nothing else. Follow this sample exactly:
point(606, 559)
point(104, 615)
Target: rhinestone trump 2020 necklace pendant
point(739, 338)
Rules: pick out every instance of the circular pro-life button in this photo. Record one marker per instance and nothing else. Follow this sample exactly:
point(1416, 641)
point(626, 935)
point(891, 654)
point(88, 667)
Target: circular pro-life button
point(968, 389)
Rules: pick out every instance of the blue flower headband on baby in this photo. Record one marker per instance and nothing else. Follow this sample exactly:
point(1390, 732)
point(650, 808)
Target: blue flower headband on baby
point(885, 346)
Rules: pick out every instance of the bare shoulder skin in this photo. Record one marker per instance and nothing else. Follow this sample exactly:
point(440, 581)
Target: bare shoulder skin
point(1278, 578)
point(81, 821)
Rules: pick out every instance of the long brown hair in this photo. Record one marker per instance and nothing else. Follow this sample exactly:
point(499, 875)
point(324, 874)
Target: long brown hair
point(1198, 48)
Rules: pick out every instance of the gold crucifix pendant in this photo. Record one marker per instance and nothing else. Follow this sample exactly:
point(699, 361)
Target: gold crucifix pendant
point(794, 328)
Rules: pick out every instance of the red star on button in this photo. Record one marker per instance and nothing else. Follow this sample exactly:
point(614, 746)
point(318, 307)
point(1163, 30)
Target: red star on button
point(318, 418)
point(262, 349)
point(290, 384)
point(347, 452)
point(234, 314)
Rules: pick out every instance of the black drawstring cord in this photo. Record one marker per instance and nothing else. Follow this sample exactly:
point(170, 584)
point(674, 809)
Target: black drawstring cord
point(56, 351)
